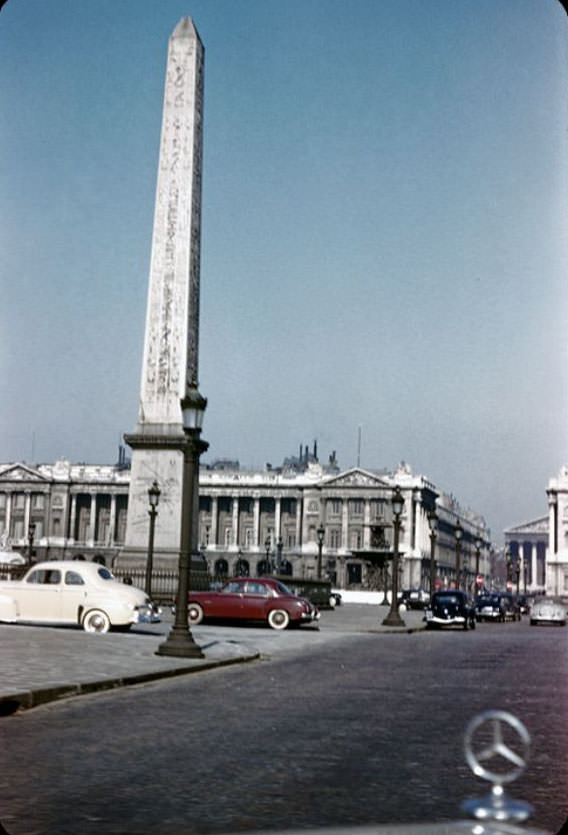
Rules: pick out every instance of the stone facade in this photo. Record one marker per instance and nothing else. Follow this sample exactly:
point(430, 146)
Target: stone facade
point(80, 510)
point(526, 546)
point(557, 558)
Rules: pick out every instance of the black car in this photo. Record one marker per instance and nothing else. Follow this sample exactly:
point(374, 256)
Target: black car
point(497, 606)
point(450, 607)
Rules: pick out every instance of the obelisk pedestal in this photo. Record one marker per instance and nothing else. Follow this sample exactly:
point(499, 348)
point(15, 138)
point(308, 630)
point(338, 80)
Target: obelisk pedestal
point(170, 361)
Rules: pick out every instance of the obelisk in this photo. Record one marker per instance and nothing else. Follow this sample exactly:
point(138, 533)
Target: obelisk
point(170, 361)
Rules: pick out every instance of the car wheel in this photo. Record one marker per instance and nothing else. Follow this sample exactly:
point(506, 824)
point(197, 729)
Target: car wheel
point(278, 619)
point(96, 621)
point(194, 614)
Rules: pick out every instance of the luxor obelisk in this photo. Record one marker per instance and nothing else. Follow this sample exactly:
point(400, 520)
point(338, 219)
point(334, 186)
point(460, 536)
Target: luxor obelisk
point(170, 361)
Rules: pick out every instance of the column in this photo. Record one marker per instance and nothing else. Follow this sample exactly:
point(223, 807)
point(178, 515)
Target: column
point(214, 521)
point(8, 515)
point(112, 520)
point(92, 520)
point(298, 522)
point(345, 524)
point(277, 517)
point(73, 519)
point(235, 535)
point(552, 536)
point(27, 511)
point(367, 525)
point(256, 522)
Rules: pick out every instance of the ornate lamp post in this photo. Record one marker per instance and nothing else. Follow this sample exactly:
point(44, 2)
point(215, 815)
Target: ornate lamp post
point(433, 522)
point(525, 572)
point(279, 546)
point(31, 534)
point(509, 565)
point(393, 618)
point(320, 535)
point(478, 544)
point(153, 499)
point(180, 640)
point(458, 534)
point(267, 544)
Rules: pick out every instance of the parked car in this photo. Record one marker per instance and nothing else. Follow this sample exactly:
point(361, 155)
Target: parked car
point(451, 607)
point(525, 603)
point(497, 606)
point(84, 593)
point(245, 598)
point(548, 611)
point(417, 599)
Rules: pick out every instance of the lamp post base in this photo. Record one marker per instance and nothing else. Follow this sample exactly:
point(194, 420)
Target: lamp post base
point(393, 619)
point(180, 644)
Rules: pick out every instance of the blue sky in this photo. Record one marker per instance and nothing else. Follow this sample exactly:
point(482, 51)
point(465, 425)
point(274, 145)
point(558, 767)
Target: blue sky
point(384, 233)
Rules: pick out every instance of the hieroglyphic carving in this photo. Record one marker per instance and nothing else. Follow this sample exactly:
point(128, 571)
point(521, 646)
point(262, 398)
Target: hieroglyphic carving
point(172, 323)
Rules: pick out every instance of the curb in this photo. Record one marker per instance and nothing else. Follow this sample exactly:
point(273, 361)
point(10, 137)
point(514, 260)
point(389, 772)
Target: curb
point(28, 699)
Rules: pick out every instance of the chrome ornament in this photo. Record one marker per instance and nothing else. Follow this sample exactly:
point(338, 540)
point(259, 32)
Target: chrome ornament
point(487, 740)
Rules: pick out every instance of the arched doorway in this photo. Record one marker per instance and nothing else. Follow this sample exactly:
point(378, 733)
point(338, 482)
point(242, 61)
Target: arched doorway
point(242, 568)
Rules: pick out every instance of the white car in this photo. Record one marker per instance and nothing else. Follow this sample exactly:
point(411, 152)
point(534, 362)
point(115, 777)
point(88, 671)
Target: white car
point(548, 610)
point(84, 593)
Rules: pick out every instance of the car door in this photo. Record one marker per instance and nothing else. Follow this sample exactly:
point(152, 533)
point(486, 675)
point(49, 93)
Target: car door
point(72, 596)
point(255, 600)
point(39, 597)
point(227, 603)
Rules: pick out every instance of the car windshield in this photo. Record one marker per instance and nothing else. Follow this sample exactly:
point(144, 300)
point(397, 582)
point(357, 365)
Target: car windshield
point(486, 600)
point(282, 589)
point(447, 598)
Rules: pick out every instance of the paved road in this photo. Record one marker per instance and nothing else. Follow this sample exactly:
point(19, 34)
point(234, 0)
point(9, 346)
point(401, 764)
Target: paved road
point(361, 728)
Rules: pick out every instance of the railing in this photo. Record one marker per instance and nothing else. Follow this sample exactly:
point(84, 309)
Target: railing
point(8, 571)
point(164, 582)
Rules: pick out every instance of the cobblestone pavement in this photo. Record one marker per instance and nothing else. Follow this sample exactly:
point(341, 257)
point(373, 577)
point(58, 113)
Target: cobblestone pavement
point(44, 663)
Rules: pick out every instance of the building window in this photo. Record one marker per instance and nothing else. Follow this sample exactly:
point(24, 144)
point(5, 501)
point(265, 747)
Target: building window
point(228, 537)
point(18, 529)
point(18, 500)
point(38, 501)
point(334, 538)
point(334, 507)
point(2, 499)
point(378, 506)
point(313, 507)
point(356, 540)
point(205, 535)
point(249, 537)
point(291, 540)
point(356, 507)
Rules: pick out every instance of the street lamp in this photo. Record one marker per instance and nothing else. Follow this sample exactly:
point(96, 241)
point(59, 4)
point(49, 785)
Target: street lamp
point(267, 544)
point(509, 565)
point(153, 499)
point(320, 534)
point(393, 618)
point(518, 571)
point(478, 544)
point(180, 640)
point(279, 546)
point(458, 534)
point(525, 572)
point(433, 522)
point(31, 534)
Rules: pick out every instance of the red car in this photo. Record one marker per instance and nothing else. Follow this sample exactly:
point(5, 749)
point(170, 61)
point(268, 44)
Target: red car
point(252, 599)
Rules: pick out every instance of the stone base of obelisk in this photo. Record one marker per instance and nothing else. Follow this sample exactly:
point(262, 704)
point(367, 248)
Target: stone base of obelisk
point(157, 456)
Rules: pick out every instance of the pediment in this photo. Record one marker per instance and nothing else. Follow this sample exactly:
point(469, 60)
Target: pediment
point(356, 477)
point(21, 472)
point(536, 526)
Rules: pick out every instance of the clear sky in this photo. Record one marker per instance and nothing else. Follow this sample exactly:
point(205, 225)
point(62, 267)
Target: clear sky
point(384, 233)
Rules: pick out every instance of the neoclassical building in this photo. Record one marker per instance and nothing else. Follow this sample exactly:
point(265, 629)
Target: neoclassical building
point(557, 557)
point(253, 521)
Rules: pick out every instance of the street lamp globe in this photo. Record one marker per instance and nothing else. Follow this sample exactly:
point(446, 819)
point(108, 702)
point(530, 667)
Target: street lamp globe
point(154, 496)
point(321, 534)
point(193, 408)
point(433, 522)
point(397, 502)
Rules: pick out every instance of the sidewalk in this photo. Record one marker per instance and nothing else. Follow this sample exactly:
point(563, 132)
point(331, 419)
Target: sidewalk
point(44, 663)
